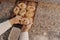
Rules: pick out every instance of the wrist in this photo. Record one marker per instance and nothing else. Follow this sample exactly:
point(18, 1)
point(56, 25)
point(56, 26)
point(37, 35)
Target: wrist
point(25, 29)
point(11, 21)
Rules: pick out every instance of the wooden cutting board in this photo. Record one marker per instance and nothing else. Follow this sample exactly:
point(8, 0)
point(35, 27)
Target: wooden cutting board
point(15, 32)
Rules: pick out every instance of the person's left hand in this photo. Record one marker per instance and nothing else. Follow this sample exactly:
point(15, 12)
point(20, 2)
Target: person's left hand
point(15, 20)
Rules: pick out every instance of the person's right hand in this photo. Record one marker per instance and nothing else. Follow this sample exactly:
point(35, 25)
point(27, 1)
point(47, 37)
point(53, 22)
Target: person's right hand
point(27, 23)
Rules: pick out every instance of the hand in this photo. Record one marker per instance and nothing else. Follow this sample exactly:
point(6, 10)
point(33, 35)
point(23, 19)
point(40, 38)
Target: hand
point(15, 20)
point(27, 25)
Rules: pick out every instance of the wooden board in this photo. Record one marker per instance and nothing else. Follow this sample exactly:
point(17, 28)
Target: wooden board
point(14, 34)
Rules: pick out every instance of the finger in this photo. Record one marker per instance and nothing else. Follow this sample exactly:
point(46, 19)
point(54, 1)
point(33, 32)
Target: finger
point(19, 17)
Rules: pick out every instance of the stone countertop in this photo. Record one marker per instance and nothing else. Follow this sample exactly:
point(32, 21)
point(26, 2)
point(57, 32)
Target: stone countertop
point(5, 11)
point(46, 22)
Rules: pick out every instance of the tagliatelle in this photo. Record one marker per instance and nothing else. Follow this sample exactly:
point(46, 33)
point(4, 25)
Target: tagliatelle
point(22, 5)
point(22, 12)
point(16, 10)
point(29, 14)
point(31, 8)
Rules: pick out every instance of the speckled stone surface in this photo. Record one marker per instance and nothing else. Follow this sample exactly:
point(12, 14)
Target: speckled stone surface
point(47, 1)
point(46, 23)
point(5, 11)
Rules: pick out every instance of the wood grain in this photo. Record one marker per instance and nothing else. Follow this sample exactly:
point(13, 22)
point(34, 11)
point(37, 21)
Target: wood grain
point(14, 34)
